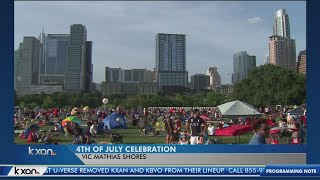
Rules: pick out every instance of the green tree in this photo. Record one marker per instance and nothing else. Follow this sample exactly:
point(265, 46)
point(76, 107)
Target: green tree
point(271, 85)
point(48, 102)
point(16, 98)
point(177, 100)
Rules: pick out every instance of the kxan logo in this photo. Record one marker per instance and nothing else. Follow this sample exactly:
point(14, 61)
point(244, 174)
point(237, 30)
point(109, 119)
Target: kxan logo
point(25, 171)
point(41, 152)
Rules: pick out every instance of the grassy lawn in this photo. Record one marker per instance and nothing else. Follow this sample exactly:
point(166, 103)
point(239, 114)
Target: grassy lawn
point(132, 136)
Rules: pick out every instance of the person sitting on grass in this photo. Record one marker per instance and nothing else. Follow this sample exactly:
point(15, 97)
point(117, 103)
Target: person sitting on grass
point(282, 123)
point(211, 130)
point(48, 139)
point(261, 132)
point(200, 140)
point(106, 130)
point(33, 135)
point(93, 129)
point(183, 139)
point(220, 125)
point(296, 137)
point(42, 136)
point(78, 138)
point(57, 128)
point(224, 125)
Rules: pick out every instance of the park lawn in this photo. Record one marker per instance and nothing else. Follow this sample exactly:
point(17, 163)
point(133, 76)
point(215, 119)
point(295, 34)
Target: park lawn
point(132, 136)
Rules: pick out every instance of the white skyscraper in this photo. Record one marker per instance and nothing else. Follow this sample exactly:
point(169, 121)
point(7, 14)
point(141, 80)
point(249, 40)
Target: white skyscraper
point(215, 78)
point(281, 25)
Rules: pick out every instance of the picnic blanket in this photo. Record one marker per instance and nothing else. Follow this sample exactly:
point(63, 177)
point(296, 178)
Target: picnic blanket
point(233, 130)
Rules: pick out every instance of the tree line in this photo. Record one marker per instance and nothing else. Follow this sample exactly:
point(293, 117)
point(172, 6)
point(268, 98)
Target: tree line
point(265, 85)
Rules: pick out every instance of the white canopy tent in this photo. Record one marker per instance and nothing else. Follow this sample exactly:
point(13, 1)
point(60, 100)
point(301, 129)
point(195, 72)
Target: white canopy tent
point(237, 108)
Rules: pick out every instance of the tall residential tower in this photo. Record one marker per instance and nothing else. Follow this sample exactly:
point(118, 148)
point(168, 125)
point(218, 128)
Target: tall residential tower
point(171, 60)
point(282, 49)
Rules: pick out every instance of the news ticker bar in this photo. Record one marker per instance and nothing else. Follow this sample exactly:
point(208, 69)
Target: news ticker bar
point(268, 170)
point(159, 155)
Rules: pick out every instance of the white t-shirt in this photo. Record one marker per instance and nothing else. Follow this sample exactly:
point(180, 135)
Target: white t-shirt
point(211, 130)
point(93, 130)
point(184, 143)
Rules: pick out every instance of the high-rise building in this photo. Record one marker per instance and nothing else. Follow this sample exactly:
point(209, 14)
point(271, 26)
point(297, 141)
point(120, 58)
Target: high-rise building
point(171, 60)
point(281, 25)
point(53, 58)
point(27, 65)
point(215, 78)
point(302, 63)
point(138, 75)
point(55, 55)
point(88, 67)
point(282, 49)
point(43, 52)
point(225, 89)
point(75, 76)
point(282, 52)
point(113, 75)
point(16, 61)
point(200, 81)
point(242, 65)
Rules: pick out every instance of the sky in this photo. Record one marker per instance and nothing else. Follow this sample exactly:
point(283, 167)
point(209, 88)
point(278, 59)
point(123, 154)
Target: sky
point(123, 33)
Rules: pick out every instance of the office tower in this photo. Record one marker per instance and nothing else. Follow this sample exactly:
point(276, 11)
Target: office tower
point(42, 52)
point(27, 65)
point(302, 63)
point(128, 81)
point(200, 81)
point(281, 25)
point(75, 79)
point(16, 61)
point(113, 74)
point(215, 78)
point(282, 52)
point(242, 65)
point(171, 60)
point(55, 55)
point(88, 67)
point(17, 67)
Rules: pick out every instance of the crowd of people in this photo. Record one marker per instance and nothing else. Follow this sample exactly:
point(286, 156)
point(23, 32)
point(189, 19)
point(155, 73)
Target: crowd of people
point(293, 127)
point(180, 126)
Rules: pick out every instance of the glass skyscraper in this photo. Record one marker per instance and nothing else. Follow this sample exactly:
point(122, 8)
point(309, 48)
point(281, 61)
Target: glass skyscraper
point(281, 25)
point(242, 65)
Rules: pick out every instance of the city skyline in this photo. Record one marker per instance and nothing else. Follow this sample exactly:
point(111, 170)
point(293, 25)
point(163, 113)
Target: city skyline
point(123, 32)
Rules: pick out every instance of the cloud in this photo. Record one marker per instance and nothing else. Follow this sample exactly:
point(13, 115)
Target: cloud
point(255, 20)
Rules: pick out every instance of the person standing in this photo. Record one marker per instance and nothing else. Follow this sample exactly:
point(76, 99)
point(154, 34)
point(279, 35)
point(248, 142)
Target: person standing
point(194, 124)
point(169, 128)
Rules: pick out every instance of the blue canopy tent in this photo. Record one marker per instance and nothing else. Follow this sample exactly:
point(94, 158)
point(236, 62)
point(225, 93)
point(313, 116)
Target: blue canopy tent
point(115, 121)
